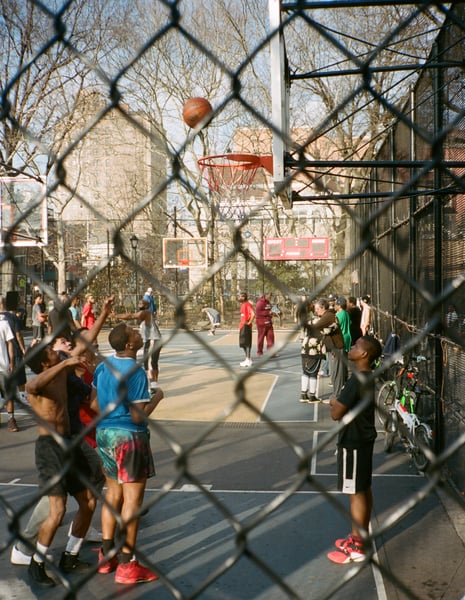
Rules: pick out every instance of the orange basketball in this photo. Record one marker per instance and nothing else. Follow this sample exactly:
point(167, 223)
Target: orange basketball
point(195, 110)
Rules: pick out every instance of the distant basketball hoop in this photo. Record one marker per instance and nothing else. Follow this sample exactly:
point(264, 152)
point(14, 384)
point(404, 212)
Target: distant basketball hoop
point(183, 253)
point(229, 177)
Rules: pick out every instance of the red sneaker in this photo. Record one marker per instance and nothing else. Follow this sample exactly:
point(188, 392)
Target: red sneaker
point(106, 565)
point(342, 542)
point(133, 572)
point(349, 551)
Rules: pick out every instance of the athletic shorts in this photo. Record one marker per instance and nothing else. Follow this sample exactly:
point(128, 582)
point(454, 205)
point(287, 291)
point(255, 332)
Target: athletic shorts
point(52, 460)
point(354, 466)
point(245, 337)
point(310, 365)
point(126, 455)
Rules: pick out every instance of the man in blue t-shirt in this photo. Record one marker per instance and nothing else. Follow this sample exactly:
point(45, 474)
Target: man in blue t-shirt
point(121, 395)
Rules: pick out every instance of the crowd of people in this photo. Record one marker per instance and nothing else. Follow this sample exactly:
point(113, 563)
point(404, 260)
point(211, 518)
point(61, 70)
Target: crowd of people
point(336, 331)
point(72, 385)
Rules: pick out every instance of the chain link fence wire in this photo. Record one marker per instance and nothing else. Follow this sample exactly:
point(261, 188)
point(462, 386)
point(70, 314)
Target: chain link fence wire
point(91, 102)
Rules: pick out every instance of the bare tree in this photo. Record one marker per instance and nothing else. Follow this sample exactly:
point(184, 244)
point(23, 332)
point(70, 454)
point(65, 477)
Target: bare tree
point(48, 59)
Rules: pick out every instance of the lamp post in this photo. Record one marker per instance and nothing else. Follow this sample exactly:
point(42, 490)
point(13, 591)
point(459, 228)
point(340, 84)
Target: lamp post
point(134, 243)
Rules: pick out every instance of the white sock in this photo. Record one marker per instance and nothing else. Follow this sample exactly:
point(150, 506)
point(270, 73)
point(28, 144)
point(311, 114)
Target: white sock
point(313, 383)
point(43, 551)
point(304, 383)
point(74, 544)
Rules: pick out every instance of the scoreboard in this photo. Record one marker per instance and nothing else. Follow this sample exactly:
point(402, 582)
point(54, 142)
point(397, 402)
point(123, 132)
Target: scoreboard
point(296, 248)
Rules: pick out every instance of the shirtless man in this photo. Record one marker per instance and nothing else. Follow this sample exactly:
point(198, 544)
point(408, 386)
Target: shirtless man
point(48, 397)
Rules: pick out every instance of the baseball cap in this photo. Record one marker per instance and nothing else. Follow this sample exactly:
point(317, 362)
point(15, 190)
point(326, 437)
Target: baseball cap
point(149, 289)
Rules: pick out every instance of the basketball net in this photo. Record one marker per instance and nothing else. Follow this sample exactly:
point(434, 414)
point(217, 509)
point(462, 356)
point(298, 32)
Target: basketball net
point(229, 177)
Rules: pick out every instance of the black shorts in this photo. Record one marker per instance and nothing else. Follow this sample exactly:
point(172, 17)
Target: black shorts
point(354, 468)
point(52, 460)
point(245, 337)
point(310, 365)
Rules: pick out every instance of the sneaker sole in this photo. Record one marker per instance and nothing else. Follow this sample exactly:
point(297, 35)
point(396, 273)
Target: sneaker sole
point(341, 558)
point(122, 580)
point(106, 569)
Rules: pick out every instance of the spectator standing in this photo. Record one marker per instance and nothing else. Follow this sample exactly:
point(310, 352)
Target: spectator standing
point(355, 315)
point(365, 324)
point(452, 318)
point(247, 316)
point(60, 319)
point(75, 311)
point(88, 315)
point(124, 446)
point(355, 448)
point(213, 316)
point(312, 354)
point(333, 340)
point(264, 319)
point(301, 314)
point(341, 372)
point(39, 318)
point(343, 318)
point(18, 377)
point(332, 302)
point(151, 300)
point(7, 363)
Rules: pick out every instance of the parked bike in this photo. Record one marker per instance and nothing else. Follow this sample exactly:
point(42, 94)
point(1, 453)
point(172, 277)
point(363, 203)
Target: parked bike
point(397, 407)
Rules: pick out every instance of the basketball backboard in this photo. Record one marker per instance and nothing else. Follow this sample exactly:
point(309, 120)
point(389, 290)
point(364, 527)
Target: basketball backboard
point(280, 87)
point(23, 212)
point(182, 253)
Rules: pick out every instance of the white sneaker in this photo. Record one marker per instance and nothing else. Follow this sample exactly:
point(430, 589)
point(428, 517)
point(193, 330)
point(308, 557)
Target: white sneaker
point(246, 363)
point(19, 558)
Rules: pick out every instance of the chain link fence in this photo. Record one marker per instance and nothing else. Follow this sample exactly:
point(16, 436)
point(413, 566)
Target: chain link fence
point(92, 105)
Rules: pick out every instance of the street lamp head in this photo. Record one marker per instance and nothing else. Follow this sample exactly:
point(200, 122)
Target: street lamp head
point(134, 241)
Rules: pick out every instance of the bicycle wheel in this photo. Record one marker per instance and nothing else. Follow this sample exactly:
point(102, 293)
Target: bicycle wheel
point(422, 441)
point(384, 400)
point(390, 431)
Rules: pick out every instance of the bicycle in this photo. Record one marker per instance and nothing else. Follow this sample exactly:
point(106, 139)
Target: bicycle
point(396, 409)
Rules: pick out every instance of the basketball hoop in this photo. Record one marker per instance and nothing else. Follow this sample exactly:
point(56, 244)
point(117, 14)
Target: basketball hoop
point(229, 177)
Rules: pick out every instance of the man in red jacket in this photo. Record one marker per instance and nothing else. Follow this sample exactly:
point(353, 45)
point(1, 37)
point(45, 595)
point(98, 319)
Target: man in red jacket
point(264, 319)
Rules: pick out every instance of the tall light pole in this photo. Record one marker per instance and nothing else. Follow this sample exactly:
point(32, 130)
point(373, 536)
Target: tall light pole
point(134, 243)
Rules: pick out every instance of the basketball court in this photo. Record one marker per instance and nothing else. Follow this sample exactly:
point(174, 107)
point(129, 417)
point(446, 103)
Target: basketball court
point(220, 510)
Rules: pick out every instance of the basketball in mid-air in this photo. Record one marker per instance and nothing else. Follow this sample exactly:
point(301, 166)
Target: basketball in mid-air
point(195, 110)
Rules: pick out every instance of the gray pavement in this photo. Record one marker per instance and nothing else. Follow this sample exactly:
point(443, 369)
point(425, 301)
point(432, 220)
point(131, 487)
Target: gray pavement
point(245, 467)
